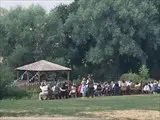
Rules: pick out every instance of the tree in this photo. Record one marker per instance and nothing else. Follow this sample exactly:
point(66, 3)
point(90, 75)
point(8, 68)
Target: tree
point(6, 77)
point(144, 73)
point(117, 28)
point(23, 32)
point(105, 37)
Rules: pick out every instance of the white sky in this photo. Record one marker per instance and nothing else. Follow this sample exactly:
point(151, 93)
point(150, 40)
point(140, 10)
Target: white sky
point(47, 4)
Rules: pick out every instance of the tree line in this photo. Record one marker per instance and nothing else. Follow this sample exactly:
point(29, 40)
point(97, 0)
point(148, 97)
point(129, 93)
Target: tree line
point(104, 37)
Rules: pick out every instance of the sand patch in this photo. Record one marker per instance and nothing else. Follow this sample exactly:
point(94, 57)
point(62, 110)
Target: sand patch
point(105, 115)
point(13, 111)
point(47, 118)
point(127, 115)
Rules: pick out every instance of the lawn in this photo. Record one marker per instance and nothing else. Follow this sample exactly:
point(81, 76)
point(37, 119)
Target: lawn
point(74, 107)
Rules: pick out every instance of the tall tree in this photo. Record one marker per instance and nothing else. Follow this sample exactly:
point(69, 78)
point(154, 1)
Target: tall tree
point(117, 28)
point(23, 35)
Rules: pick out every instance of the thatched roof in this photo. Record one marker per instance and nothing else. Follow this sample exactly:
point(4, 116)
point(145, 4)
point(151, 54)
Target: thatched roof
point(43, 65)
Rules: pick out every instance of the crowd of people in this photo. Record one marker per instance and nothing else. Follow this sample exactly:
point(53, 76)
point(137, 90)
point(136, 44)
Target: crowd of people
point(88, 88)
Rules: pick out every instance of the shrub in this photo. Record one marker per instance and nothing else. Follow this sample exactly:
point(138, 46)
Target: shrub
point(130, 76)
point(13, 93)
point(144, 73)
point(9, 91)
point(6, 76)
point(142, 76)
point(33, 93)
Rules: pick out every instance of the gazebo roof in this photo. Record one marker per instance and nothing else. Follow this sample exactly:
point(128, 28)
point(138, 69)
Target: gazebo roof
point(43, 65)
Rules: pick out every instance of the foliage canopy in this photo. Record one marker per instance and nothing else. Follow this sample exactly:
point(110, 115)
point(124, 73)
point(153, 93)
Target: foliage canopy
point(105, 37)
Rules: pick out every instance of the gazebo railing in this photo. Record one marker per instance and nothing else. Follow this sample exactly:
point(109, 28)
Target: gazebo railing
point(27, 85)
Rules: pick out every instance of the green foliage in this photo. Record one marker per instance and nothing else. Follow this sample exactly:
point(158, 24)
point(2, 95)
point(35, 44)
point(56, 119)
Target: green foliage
point(10, 92)
point(142, 76)
point(17, 56)
point(6, 77)
point(13, 93)
point(130, 76)
point(7, 90)
point(103, 37)
point(144, 72)
point(32, 94)
point(113, 30)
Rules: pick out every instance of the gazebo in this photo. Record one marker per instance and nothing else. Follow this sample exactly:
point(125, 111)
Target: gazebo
point(42, 66)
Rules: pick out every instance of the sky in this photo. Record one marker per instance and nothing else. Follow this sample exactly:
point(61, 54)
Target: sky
point(46, 4)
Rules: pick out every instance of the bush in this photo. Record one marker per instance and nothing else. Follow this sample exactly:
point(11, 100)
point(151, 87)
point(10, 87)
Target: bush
point(33, 93)
point(144, 73)
point(6, 76)
point(142, 76)
point(130, 76)
point(10, 92)
point(13, 93)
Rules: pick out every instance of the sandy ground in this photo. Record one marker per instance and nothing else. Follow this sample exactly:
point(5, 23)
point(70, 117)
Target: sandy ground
point(47, 118)
point(109, 115)
point(128, 115)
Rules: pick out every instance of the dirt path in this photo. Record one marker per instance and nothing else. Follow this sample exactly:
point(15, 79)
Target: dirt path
point(47, 118)
point(128, 115)
point(106, 115)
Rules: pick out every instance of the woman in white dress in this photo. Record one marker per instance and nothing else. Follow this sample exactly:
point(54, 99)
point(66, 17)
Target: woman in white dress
point(83, 88)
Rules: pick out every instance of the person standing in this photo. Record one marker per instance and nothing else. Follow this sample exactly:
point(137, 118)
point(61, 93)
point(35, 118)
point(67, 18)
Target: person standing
point(44, 94)
point(90, 84)
point(56, 91)
point(64, 91)
point(73, 91)
point(83, 88)
point(123, 87)
point(116, 89)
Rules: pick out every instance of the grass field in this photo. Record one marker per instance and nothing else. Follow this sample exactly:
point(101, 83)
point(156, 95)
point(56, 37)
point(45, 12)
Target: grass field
point(78, 106)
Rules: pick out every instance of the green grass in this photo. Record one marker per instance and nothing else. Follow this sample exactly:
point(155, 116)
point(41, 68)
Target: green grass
point(74, 107)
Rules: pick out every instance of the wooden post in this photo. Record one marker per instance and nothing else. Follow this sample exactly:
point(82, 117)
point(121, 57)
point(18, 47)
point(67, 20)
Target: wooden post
point(68, 79)
point(27, 76)
point(68, 75)
point(17, 75)
point(39, 77)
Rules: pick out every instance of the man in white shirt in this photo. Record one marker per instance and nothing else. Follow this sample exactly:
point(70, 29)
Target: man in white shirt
point(151, 87)
point(146, 88)
point(44, 93)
